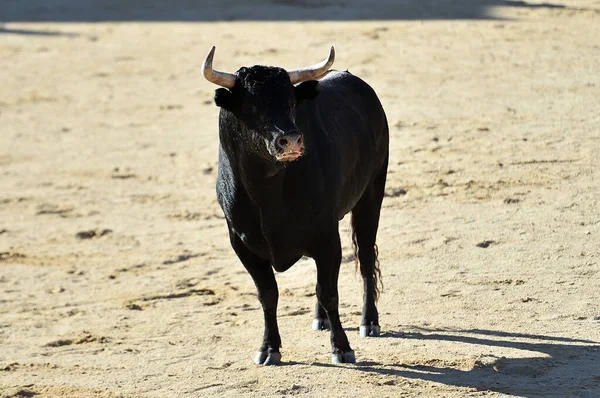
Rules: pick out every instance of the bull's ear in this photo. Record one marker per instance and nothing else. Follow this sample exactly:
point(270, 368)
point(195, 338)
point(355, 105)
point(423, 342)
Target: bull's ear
point(306, 90)
point(223, 98)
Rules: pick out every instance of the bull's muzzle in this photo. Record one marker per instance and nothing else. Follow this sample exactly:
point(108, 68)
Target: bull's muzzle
point(289, 147)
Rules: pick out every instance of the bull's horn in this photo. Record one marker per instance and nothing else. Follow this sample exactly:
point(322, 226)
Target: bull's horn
point(313, 71)
point(222, 79)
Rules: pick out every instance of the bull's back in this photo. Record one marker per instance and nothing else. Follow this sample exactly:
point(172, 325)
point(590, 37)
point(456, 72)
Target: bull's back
point(346, 132)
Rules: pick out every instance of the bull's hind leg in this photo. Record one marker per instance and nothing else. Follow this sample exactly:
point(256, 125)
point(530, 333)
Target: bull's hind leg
point(365, 221)
point(268, 295)
point(320, 322)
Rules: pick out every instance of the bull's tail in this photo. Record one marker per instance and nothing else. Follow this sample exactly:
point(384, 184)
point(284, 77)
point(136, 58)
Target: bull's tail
point(375, 271)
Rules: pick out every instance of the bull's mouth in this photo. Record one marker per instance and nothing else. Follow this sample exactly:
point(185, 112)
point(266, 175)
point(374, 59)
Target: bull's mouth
point(289, 156)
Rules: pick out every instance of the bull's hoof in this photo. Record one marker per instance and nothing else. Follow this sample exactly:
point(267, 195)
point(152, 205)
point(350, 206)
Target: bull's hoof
point(343, 357)
point(266, 358)
point(369, 331)
point(320, 324)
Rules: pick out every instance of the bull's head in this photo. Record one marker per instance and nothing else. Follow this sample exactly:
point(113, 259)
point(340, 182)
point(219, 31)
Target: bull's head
point(263, 101)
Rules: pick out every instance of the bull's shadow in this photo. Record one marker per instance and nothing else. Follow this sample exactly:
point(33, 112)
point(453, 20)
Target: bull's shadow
point(568, 368)
point(242, 10)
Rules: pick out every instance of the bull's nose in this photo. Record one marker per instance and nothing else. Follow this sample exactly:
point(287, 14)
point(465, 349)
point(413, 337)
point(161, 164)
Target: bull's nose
point(288, 147)
point(290, 143)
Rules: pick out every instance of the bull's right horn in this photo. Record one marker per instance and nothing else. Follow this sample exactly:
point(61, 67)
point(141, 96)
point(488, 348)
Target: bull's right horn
point(313, 71)
point(222, 79)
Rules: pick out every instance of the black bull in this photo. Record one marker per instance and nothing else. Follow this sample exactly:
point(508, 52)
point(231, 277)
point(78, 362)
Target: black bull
point(293, 160)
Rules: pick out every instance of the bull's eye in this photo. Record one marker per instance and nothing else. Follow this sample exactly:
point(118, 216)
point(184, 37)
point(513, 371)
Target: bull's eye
point(249, 109)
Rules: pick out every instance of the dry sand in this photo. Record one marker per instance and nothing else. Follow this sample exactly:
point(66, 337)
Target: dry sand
point(116, 275)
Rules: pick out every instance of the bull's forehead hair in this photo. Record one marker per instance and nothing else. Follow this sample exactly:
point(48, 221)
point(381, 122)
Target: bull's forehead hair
point(259, 78)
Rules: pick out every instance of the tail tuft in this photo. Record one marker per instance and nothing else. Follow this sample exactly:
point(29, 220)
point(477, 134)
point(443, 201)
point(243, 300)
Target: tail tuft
point(377, 280)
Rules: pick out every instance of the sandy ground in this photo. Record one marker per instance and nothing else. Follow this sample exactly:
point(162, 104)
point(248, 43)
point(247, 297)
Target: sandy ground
point(116, 275)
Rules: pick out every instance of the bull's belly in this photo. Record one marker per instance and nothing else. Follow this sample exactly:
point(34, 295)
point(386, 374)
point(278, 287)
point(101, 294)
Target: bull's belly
point(281, 257)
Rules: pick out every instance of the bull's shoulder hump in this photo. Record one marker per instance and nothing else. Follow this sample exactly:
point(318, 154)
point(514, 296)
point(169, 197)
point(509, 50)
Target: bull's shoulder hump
point(334, 80)
point(334, 76)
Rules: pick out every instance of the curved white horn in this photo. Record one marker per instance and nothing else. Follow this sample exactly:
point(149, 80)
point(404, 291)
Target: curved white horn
point(313, 71)
point(222, 79)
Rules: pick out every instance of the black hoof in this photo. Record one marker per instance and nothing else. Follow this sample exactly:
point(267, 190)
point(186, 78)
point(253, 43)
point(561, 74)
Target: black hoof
point(369, 330)
point(320, 324)
point(343, 357)
point(264, 358)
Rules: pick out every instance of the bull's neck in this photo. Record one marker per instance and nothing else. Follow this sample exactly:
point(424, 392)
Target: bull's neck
point(261, 177)
point(263, 180)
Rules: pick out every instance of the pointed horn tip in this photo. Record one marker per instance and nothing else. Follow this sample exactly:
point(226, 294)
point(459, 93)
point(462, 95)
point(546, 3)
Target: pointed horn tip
point(207, 64)
point(331, 58)
point(211, 54)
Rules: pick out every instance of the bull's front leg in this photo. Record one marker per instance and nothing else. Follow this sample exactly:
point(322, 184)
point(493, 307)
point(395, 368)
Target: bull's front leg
point(328, 257)
point(268, 295)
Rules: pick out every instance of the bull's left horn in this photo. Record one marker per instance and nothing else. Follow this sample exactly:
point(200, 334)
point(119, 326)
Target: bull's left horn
point(313, 71)
point(222, 79)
